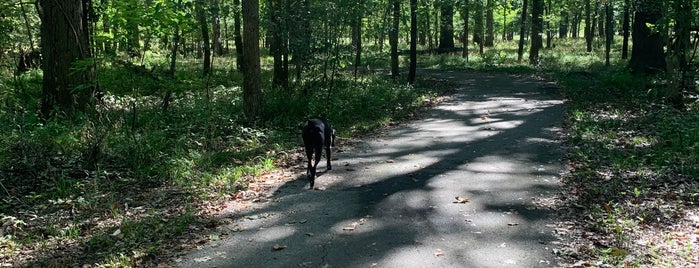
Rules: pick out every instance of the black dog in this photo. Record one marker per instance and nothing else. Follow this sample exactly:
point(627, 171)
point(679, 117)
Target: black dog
point(316, 134)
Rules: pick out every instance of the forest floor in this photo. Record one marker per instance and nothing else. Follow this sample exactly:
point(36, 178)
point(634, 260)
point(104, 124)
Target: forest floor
point(471, 183)
point(508, 171)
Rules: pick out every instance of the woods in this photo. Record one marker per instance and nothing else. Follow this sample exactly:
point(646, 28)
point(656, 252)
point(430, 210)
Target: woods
point(188, 101)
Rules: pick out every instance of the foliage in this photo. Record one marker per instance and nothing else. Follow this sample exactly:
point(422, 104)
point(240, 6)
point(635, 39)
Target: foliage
point(130, 170)
point(114, 186)
point(633, 162)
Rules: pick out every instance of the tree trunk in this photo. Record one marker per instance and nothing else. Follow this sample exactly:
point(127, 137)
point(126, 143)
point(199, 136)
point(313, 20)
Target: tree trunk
point(609, 30)
point(489, 24)
point(647, 55)
point(216, 28)
point(237, 37)
point(563, 24)
point(522, 28)
point(537, 28)
point(464, 14)
point(357, 33)
point(131, 16)
point(68, 71)
point(446, 26)
point(478, 22)
point(549, 33)
point(203, 24)
point(252, 89)
point(588, 25)
point(413, 42)
point(680, 75)
point(393, 38)
point(504, 22)
point(626, 30)
point(276, 45)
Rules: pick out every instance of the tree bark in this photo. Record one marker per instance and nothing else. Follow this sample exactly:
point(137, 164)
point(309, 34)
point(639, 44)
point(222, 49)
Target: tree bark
point(204, 26)
point(413, 42)
point(465, 13)
point(357, 34)
point(446, 26)
point(237, 36)
point(277, 43)
point(682, 79)
point(588, 25)
point(393, 38)
point(68, 73)
point(489, 24)
point(647, 55)
point(625, 28)
point(478, 22)
point(564, 24)
point(609, 30)
point(252, 89)
point(536, 34)
point(216, 28)
point(522, 28)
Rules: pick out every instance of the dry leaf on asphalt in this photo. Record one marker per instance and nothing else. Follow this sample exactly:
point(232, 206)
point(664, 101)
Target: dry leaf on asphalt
point(278, 247)
point(461, 200)
point(351, 227)
point(438, 253)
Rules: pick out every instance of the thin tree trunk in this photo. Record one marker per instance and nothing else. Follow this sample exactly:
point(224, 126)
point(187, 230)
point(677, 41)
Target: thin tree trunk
point(276, 45)
point(466, 11)
point(489, 24)
point(216, 28)
point(609, 30)
point(537, 27)
point(357, 33)
point(413, 42)
point(203, 24)
point(588, 25)
point(237, 37)
point(523, 20)
point(626, 30)
point(252, 90)
point(393, 38)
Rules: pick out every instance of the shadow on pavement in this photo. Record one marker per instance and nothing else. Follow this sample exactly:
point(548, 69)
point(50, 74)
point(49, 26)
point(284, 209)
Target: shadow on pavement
point(393, 200)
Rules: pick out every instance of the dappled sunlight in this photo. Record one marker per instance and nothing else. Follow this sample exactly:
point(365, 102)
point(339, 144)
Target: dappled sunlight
point(455, 188)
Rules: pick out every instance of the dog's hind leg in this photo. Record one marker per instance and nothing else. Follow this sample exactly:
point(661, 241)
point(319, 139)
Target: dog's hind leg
point(318, 153)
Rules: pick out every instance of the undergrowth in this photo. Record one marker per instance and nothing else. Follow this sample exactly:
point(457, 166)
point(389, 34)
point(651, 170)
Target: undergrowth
point(633, 160)
point(110, 187)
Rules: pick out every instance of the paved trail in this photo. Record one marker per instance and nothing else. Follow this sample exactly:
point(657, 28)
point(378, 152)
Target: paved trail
point(390, 201)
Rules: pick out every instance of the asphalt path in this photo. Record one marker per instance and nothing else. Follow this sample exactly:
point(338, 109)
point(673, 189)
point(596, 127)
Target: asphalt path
point(466, 185)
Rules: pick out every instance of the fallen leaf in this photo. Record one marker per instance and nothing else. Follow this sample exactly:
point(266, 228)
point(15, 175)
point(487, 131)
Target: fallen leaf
point(278, 247)
point(461, 200)
point(202, 259)
point(512, 224)
point(484, 118)
point(390, 161)
point(117, 232)
point(438, 253)
point(351, 227)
